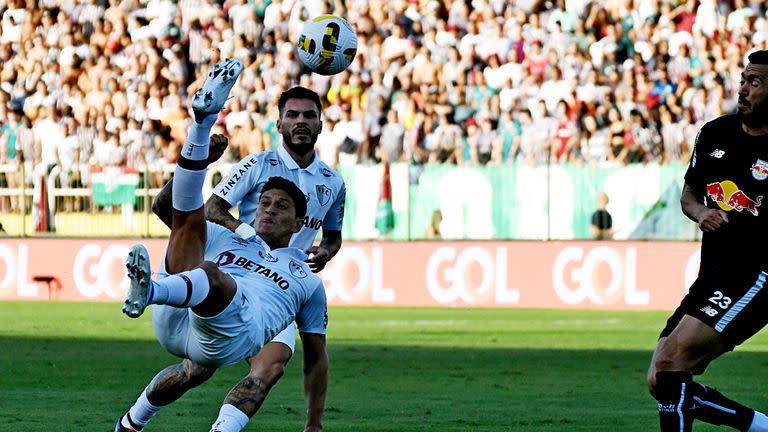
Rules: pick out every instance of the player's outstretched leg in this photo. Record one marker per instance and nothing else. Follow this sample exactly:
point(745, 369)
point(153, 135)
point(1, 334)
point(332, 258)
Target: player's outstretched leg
point(184, 290)
point(186, 243)
point(140, 274)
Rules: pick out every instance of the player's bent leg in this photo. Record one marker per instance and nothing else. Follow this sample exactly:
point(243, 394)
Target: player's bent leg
point(269, 363)
point(186, 243)
point(168, 386)
point(186, 246)
point(245, 399)
point(205, 289)
point(222, 291)
point(651, 375)
point(688, 349)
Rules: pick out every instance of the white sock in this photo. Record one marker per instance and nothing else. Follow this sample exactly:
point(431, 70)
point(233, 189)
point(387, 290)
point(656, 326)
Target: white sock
point(230, 419)
point(140, 413)
point(187, 194)
point(185, 289)
point(759, 423)
point(199, 138)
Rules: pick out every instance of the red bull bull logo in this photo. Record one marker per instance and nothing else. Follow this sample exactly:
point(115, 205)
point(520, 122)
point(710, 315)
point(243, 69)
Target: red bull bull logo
point(729, 197)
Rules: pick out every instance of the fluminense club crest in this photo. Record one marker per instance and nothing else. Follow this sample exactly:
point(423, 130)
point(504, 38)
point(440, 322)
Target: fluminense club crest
point(297, 270)
point(323, 194)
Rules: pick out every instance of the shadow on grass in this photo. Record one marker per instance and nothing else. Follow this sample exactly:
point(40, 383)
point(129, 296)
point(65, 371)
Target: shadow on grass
point(83, 384)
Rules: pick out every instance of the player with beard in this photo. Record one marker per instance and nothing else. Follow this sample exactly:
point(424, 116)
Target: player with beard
point(295, 158)
point(725, 186)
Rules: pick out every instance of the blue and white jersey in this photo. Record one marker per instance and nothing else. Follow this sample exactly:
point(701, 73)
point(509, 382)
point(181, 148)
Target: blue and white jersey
point(323, 189)
point(279, 282)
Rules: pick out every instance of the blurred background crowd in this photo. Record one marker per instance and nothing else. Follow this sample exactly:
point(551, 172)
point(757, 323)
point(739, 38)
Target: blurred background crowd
point(99, 83)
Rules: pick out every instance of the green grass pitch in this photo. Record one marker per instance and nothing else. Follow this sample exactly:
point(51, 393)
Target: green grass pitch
point(77, 366)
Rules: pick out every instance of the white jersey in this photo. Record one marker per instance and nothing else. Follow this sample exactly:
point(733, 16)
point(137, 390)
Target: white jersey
point(274, 288)
point(323, 188)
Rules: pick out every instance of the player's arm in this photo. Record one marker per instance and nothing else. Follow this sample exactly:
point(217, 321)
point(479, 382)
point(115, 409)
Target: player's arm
point(312, 320)
point(331, 241)
point(217, 210)
point(321, 254)
point(235, 186)
point(694, 208)
point(692, 197)
point(315, 366)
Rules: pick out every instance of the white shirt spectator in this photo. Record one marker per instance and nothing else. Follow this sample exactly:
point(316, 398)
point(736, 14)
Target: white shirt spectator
point(67, 153)
point(49, 134)
point(12, 20)
point(327, 146)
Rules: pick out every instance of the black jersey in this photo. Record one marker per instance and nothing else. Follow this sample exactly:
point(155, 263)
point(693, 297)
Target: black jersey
point(729, 168)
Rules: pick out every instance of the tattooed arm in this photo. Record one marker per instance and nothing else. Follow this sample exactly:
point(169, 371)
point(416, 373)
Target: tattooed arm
point(315, 378)
point(217, 210)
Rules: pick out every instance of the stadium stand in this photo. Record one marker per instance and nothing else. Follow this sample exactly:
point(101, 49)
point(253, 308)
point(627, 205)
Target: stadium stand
point(88, 85)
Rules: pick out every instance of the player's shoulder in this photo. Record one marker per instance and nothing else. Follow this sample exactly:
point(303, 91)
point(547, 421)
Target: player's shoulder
point(324, 170)
point(267, 156)
point(725, 125)
point(326, 173)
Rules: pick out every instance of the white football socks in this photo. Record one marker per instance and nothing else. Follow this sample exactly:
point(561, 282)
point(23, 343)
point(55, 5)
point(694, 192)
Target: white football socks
point(196, 146)
point(185, 289)
point(230, 419)
point(140, 413)
point(187, 193)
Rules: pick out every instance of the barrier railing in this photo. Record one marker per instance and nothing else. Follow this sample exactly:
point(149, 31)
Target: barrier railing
point(37, 206)
point(515, 202)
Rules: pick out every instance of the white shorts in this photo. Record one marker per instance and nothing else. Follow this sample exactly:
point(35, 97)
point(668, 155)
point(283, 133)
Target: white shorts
point(287, 336)
point(233, 335)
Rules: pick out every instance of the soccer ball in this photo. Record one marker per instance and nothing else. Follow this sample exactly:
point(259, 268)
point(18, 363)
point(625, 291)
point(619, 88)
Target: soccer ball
point(327, 44)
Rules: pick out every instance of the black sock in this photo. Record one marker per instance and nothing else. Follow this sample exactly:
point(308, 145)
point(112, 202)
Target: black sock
point(673, 391)
point(710, 406)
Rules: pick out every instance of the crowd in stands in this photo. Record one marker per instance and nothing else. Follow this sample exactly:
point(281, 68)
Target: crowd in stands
point(98, 83)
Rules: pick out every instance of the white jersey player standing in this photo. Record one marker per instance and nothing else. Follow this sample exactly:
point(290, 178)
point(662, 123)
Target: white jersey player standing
point(295, 158)
point(225, 297)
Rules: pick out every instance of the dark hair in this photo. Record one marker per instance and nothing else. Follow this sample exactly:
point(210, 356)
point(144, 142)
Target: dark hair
point(293, 191)
point(299, 92)
point(759, 57)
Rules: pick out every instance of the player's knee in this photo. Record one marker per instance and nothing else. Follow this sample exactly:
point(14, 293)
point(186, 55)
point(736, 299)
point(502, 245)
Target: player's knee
point(217, 279)
point(651, 381)
point(269, 369)
point(197, 374)
point(272, 371)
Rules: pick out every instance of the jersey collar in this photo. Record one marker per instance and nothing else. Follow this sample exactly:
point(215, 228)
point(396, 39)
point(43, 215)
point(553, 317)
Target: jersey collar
point(292, 165)
point(292, 252)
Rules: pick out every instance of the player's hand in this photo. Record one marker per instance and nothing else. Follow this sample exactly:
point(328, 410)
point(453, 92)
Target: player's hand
point(712, 219)
point(219, 143)
point(318, 257)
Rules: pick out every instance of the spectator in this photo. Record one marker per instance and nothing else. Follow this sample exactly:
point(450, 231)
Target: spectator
point(480, 61)
point(601, 224)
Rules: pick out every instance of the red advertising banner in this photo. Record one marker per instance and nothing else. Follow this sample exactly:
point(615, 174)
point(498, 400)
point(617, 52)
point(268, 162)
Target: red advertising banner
point(583, 275)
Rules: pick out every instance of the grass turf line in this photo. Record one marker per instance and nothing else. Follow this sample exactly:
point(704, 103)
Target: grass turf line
point(77, 366)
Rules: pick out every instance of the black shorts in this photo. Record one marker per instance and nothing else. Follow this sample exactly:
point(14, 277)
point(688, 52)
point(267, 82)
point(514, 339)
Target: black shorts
point(737, 308)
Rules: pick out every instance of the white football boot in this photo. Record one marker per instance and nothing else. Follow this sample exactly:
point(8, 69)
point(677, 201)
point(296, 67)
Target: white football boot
point(215, 91)
point(140, 274)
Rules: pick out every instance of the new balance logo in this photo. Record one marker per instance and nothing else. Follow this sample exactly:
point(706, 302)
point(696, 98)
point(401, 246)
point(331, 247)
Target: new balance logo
point(717, 153)
point(666, 408)
point(709, 311)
